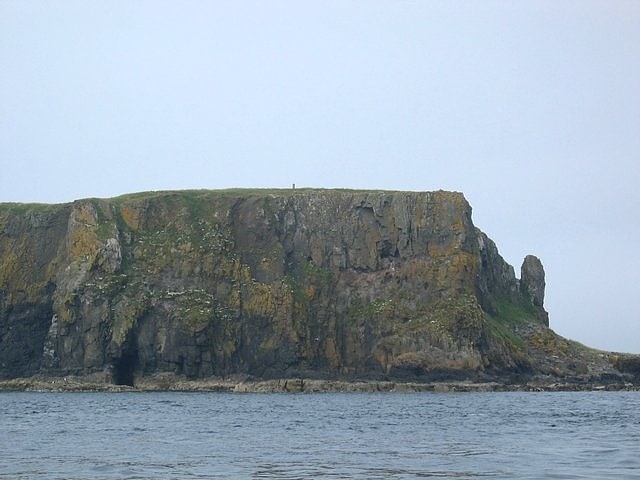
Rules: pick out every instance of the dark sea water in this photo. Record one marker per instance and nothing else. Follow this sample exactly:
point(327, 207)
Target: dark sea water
point(290, 436)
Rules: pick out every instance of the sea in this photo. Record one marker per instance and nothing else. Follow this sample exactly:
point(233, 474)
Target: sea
point(507, 435)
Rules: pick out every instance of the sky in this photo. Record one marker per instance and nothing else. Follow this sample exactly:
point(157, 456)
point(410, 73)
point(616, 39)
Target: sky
point(530, 108)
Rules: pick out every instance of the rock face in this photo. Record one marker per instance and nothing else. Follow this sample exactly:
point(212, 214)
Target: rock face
point(532, 282)
point(532, 279)
point(311, 283)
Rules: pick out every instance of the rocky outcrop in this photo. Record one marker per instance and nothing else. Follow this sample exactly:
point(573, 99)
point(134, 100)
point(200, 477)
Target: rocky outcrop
point(532, 283)
point(304, 283)
point(532, 279)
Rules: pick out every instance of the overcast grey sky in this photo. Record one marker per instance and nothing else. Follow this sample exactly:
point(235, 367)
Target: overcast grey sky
point(531, 108)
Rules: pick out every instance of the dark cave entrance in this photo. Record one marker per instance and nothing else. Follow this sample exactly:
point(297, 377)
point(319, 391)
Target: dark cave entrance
point(125, 367)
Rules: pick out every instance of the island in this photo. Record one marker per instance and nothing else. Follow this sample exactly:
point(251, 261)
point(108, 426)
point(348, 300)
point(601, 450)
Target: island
point(277, 290)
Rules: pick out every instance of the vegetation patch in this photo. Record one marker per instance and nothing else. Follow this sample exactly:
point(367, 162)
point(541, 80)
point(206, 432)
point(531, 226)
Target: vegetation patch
point(548, 342)
point(504, 333)
point(457, 319)
point(125, 313)
point(513, 309)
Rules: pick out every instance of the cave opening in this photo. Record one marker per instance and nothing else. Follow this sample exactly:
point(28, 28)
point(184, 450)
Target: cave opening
point(124, 368)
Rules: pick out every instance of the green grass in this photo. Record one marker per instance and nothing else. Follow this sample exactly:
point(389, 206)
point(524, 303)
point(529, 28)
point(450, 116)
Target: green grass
point(513, 310)
point(24, 208)
point(315, 273)
point(204, 194)
point(498, 329)
point(190, 196)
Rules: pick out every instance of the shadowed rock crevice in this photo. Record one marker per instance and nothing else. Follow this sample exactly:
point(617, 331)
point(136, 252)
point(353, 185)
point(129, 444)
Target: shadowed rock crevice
point(23, 330)
point(125, 368)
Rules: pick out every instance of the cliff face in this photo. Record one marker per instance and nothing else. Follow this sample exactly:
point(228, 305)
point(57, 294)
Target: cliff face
point(314, 283)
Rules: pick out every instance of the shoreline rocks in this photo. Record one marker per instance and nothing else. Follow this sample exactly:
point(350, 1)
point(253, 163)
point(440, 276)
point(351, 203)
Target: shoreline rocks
point(302, 385)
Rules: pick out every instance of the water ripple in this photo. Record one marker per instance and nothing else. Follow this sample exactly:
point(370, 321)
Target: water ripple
point(362, 436)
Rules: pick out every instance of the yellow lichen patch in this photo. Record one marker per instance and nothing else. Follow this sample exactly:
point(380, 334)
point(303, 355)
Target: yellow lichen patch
point(83, 241)
point(8, 266)
point(452, 274)
point(462, 270)
point(131, 217)
point(274, 301)
point(29, 284)
point(83, 244)
point(310, 292)
point(547, 341)
point(260, 301)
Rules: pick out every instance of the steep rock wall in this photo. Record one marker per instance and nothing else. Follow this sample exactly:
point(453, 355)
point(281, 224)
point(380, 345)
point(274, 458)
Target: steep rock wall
point(312, 282)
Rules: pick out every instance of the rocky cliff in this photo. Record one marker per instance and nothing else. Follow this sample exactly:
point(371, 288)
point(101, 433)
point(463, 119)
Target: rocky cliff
point(312, 283)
